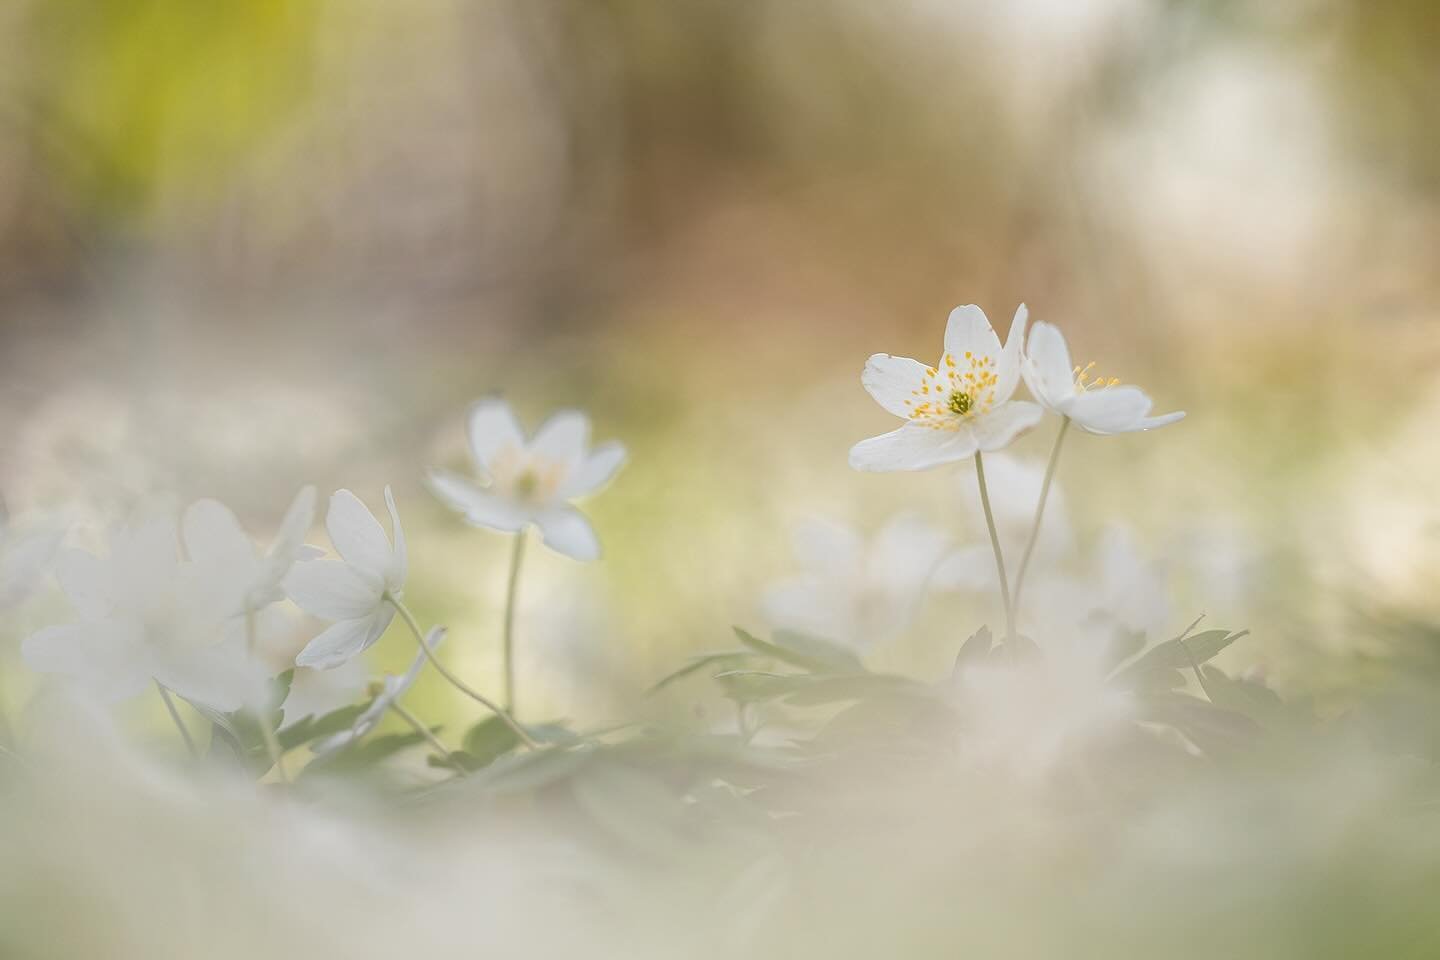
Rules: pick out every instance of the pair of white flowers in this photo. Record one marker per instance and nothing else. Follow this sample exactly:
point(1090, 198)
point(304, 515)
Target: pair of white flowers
point(964, 403)
point(202, 621)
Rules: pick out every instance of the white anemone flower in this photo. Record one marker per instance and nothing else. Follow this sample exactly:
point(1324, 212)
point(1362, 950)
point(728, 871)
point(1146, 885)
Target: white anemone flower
point(1096, 404)
point(217, 543)
point(954, 409)
point(853, 592)
point(391, 689)
point(280, 632)
point(524, 482)
point(354, 591)
point(143, 615)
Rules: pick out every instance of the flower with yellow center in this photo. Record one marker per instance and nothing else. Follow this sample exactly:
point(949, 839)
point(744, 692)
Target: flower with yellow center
point(524, 482)
point(954, 409)
point(1096, 404)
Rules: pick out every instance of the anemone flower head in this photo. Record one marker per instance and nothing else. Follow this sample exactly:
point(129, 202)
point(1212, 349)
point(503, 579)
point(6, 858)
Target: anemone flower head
point(353, 591)
point(275, 638)
point(957, 407)
point(852, 591)
point(390, 690)
point(1098, 405)
point(217, 543)
point(143, 616)
point(531, 481)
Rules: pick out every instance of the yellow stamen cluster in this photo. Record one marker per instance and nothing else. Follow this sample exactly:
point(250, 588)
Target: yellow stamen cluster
point(516, 474)
point(1084, 380)
point(954, 391)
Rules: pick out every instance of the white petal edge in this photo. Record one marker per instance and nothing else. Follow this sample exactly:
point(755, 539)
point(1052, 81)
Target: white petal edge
point(912, 447)
point(566, 531)
point(892, 381)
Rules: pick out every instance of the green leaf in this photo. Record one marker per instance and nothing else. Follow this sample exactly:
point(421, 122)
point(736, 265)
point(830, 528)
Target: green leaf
point(734, 657)
point(486, 741)
point(361, 756)
point(521, 772)
point(311, 728)
point(804, 651)
point(1181, 653)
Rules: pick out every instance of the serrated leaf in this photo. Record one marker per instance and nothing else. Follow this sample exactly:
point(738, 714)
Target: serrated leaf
point(699, 663)
point(304, 731)
point(1181, 653)
point(363, 755)
point(488, 740)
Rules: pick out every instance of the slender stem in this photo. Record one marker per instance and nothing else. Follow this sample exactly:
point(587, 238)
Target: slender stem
point(455, 681)
point(511, 589)
point(995, 543)
point(262, 712)
point(1039, 515)
point(429, 736)
point(179, 724)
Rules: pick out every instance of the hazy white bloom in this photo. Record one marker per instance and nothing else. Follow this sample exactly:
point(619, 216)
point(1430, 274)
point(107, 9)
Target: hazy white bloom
point(955, 408)
point(25, 559)
point(1014, 491)
point(143, 615)
point(217, 544)
point(1122, 589)
point(352, 590)
point(1096, 404)
point(280, 633)
point(854, 592)
point(392, 688)
point(525, 482)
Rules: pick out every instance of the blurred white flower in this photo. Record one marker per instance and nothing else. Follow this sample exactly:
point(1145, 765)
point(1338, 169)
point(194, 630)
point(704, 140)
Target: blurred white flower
point(392, 688)
point(217, 544)
point(1122, 589)
point(280, 633)
point(853, 592)
point(957, 407)
point(531, 482)
point(1097, 405)
point(144, 615)
point(25, 558)
point(1014, 491)
point(352, 591)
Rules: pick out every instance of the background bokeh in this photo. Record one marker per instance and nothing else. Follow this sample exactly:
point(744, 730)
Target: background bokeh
point(248, 246)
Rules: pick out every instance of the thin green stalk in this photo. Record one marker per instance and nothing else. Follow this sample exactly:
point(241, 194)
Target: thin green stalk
point(179, 724)
point(1039, 515)
point(429, 736)
point(995, 543)
point(511, 589)
point(455, 681)
point(262, 713)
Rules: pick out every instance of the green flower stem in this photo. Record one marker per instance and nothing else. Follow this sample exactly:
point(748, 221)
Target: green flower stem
point(455, 681)
point(1039, 515)
point(179, 724)
point(429, 736)
point(511, 589)
point(995, 543)
point(262, 713)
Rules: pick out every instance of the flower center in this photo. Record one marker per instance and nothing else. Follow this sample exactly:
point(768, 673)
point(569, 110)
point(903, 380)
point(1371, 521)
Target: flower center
point(526, 485)
point(955, 390)
point(1085, 380)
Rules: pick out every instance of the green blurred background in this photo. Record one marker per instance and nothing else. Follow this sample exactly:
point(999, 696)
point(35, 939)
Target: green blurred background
point(247, 246)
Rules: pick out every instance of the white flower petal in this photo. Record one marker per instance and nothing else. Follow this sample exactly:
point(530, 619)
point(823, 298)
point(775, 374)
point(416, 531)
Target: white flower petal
point(213, 536)
point(331, 590)
point(968, 331)
point(566, 531)
point(433, 639)
point(143, 561)
point(358, 536)
point(1151, 423)
point(492, 428)
point(969, 568)
point(594, 472)
point(903, 556)
point(1047, 367)
point(478, 507)
point(290, 537)
point(1007, 365)
point(996, 429)
point(892, 381)
point(216, 676)
point(811, 604)
point(563, 438)
point(25, 560)
point(1109, 410)
point(314, 693)
point(109, 659)
point(400, 561)
point(912, 447)
point(344, 640)
point(86, 581)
